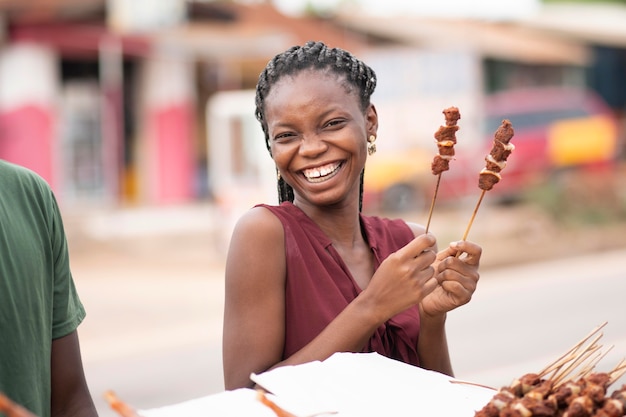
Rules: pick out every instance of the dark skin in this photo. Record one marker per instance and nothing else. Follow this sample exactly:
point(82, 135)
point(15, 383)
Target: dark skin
point(318, 135)
point(70, 394)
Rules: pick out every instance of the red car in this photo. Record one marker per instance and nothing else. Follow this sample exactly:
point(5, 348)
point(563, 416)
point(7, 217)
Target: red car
point(555, 128)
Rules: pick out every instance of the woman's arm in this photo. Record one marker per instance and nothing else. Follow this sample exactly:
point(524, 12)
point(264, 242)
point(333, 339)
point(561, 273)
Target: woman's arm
point(254, 307)
point(432, 345)
point(457, 277)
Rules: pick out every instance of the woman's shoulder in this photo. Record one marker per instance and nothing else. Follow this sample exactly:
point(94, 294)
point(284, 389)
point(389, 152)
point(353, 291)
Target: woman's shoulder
point(259, 220)
point(256, 236)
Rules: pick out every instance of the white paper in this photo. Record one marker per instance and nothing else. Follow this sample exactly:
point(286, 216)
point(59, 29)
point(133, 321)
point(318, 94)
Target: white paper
point(368, 384)
point(344, 385)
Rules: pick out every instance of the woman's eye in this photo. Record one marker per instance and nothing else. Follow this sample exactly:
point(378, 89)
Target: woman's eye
point(335, 123)
point(281, 137)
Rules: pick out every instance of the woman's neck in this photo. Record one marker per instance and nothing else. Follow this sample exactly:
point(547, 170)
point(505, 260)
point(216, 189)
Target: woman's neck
point(342, 225)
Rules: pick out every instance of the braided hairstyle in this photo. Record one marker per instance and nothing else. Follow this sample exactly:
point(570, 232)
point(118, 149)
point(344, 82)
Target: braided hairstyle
point(318, 56)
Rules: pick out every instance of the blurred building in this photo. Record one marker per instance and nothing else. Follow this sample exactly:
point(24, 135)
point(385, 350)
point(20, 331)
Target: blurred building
point(581, 45)
point(145, 102)
point(107, 99)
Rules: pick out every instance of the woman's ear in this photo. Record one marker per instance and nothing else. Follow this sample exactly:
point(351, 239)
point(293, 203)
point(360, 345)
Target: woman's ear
point(371, 120)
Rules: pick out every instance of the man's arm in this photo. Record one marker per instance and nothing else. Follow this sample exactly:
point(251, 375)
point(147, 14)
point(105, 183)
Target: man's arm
point(70, 394)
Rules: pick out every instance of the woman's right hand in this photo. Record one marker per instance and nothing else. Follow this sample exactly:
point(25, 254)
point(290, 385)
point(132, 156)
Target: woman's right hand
point(404, 278)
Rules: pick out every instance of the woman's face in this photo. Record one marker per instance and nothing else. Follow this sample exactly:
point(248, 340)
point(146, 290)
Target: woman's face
point(318, 136)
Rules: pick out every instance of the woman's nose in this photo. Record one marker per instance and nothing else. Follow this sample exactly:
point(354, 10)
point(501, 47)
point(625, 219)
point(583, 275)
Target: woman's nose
point(312, 145)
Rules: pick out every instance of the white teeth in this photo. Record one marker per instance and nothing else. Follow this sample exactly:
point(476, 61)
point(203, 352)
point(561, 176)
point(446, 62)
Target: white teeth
point(320, 173)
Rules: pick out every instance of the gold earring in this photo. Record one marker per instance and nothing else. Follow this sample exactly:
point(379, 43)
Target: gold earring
point(371, 146)
point(277, 175)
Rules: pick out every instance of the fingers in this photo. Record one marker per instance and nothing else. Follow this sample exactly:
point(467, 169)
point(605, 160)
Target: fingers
point(458, 283)
point(414, 248)
point(463, 270)
point(459, 276)
point(430, 285)
point(469, 252)
point(401, 281)
point(416, 266)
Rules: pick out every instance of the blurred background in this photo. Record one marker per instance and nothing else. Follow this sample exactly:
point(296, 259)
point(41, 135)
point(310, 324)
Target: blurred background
point(140, 114)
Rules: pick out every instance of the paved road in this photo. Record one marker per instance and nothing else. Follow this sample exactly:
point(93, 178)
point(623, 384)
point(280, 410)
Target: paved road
point(523, 318)
point(154, 318)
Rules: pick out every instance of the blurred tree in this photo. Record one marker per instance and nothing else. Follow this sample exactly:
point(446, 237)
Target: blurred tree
point(325, 9)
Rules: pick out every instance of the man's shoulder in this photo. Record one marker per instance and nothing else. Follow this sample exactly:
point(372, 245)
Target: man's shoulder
point(13, 171)
point(13, 175)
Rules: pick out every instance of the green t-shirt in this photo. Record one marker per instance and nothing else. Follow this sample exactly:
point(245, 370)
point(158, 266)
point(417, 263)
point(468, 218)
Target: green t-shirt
point(38, 300)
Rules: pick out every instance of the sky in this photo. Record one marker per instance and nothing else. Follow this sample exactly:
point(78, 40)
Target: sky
point(490, 9)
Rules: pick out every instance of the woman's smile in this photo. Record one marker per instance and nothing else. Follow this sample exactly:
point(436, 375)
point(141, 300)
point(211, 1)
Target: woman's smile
point(322, 173)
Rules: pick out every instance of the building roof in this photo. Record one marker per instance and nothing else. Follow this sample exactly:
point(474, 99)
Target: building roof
point(500, 40)
point(36, 11)
point(556, 34)
point(254, 29)
point(216, 30)
point(592, 23)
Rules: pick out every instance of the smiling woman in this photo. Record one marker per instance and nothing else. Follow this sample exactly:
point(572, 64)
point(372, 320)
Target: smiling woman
point(313, 275)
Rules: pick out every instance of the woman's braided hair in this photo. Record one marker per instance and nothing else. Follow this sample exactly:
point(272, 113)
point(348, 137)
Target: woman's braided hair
point(318, 56)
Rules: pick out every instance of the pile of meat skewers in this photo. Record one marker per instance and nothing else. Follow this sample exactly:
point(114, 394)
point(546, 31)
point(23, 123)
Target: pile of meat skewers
point(558, 395)
point(534, 396)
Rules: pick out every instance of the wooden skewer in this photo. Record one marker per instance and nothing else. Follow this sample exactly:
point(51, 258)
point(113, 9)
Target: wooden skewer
point(12, 409)
point(469, 225)
point(280, 412)
point(432, 203)
point(458, 381)
point(584, 356)
point(272, 405)
point(123, 409)
point(594, 362)
point(618, 371)
point(566, 357)
point(576, 360)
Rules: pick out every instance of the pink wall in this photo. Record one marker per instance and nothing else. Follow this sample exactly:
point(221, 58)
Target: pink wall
point(26, 138)
point(172, 150)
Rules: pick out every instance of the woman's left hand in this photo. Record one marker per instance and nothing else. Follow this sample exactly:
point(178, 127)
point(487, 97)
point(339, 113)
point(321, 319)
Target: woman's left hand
point(457, 277)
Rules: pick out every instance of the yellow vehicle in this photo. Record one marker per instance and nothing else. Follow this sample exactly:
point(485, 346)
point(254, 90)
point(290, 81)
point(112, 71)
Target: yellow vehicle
point(397, 181)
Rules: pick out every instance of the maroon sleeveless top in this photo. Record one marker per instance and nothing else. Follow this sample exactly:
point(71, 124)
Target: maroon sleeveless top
point(319, 285)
